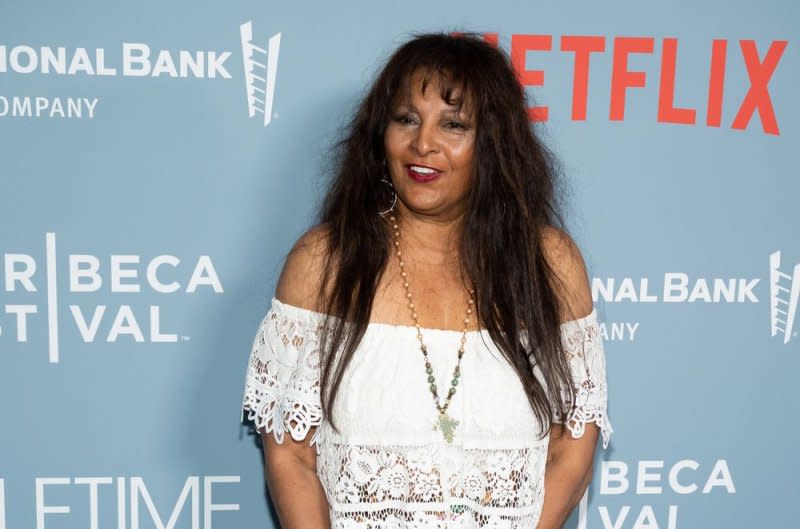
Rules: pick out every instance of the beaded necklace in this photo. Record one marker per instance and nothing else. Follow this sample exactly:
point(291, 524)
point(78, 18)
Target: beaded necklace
point(444, 422)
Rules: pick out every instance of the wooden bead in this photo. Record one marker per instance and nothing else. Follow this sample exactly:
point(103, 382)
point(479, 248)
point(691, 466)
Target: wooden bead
point(423, 347)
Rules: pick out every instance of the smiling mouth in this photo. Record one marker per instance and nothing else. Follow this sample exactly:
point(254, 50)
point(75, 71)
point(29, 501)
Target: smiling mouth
point(422, 173)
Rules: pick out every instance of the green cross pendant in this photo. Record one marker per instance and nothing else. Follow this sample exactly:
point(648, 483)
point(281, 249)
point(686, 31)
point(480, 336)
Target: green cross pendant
point(447, 425)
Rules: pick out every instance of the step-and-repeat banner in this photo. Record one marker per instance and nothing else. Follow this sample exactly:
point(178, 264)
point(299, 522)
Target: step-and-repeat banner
point(159, 159)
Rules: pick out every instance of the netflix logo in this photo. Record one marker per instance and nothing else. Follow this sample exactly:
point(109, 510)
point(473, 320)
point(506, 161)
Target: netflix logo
point(760, 65)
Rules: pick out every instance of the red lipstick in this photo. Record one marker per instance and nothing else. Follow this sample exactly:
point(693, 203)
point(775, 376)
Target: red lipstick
point(419, 176)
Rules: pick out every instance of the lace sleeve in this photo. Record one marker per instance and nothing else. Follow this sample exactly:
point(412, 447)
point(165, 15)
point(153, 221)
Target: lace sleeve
point(583, 345)
point(282, 383)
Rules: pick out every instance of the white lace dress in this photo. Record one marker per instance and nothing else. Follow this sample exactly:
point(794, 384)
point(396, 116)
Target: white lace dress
point(388, 467)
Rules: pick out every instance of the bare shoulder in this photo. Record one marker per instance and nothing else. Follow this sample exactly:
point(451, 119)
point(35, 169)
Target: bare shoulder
point(566, 261)
point(300, 280)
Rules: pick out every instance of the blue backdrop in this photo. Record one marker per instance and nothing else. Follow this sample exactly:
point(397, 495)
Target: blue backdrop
point(158, 159)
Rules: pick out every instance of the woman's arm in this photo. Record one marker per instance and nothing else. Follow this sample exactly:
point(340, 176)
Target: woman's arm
point(567, 474)
point(290, 467)
point(568, 470)
point(290, 471)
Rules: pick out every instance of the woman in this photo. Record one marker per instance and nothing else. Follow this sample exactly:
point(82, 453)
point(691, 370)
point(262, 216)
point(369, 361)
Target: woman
point(436, 252)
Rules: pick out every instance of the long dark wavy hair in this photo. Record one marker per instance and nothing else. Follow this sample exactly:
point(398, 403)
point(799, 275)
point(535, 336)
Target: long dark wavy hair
point(513, 196)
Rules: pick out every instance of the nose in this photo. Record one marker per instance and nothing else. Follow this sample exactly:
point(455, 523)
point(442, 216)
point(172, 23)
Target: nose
point(425, 140)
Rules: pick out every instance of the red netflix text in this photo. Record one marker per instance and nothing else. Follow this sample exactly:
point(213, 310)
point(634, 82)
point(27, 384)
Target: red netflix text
point(760, 68)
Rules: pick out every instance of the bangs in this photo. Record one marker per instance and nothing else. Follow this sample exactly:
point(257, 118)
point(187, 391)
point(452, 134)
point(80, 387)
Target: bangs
point(455, 87)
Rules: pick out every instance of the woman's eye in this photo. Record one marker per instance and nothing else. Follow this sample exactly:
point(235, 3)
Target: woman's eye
point(403, 119)
point(455, 125)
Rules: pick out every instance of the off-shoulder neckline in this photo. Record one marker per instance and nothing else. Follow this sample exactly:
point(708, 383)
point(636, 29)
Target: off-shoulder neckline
point(308, 313)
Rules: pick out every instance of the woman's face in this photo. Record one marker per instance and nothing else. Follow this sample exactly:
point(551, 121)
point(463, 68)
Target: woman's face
point(429, 149)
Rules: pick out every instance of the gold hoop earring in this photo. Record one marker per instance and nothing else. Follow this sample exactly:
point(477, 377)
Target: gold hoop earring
point(387, 181)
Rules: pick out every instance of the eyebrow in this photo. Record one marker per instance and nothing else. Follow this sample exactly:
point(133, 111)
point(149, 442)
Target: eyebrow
point(452, 109)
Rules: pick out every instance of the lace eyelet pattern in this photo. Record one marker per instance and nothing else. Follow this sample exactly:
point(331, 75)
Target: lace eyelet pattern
point(584, 348)
point(282, 384)
point(386, 468)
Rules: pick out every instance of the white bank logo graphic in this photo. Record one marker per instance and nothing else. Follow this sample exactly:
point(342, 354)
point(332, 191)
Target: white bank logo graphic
point(122, 275)
point(680, 287)
point(136, 59)
point(784, 294)
point(260, 71)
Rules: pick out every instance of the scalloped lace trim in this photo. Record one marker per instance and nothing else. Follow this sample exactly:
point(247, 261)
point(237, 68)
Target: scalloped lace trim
point(583, 345)
point(282, 383)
